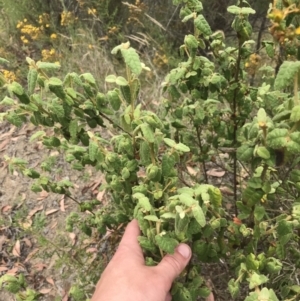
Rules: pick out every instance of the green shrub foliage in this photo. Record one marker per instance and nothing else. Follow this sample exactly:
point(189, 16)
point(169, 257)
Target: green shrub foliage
point(220, 103)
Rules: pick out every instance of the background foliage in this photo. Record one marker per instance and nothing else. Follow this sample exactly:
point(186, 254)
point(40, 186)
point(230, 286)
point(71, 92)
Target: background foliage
point(230, 101)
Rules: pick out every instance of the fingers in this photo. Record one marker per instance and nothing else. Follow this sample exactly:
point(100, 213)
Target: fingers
point(173, 264)
point(129, 246)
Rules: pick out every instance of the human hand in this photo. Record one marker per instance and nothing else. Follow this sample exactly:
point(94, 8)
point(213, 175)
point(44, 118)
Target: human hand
point(127, 278)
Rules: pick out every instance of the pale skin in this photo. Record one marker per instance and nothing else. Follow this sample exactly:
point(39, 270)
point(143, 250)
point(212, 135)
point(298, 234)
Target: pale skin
point(127, 278)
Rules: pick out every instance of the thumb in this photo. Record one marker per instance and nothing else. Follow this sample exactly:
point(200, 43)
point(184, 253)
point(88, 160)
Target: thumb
point(173, 264)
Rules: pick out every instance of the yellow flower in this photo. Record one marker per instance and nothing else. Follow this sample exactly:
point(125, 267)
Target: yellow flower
point(92, 11)
point(53, 36)
point(10, 76)
point(297, 31)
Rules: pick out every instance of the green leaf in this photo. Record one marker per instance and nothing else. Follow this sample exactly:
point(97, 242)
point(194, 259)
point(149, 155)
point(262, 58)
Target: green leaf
point(191, 42)
point(47, 66)
point(259, 212)
point(245, 152)
point(93, 150)
point(3, 61)
point(233, 9)
point(262, 116)
point(202, 25)
point(187, 199)
point(143, 201)
point(147, 132)
point(152, 218)
point(58, 109)
point(269, 46)
point(182, 148)
point(114, 99)
point(7, 101)
point(295, 115)
point(257, 280)
point(14, 119)
point(37, 135)
point(199, 215)
point(88, 78)
point(73, 128)
point(111, 78)
point(263, 152)
point(32, 79)
point(166, 244)
point(234, 288)
point(121, 81)
point(286, 74)
point(277, 138)
point(132, 60)
point(170, 142)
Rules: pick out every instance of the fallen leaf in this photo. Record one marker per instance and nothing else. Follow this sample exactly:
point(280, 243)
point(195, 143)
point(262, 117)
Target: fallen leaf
point(34, 211)
point(2, 241)
point(73, 238)
point(237, 221)
point(96, 184)
point(62, 204)
point(31, 254)
point(52, 226)
point(17, 249)
point(5, 208)
point(3, 144)
point(226, 190)
point(100, 195)
point(91, 250)
point(50, 280)
point(12, 272)
point(3, 269)
point(39, 266)
point(191, 171)
point(27, 224)
point(51, 211)
point(27, 242)
point(43, 195)
point(45, 291)
point(216, 173)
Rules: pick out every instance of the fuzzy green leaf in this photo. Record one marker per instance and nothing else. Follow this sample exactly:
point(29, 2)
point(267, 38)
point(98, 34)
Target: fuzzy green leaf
point(111, 78)
point(191, 42)
point(32, 79)
point(259, 212)
point(202, 25)
point(245, 152)
point(121, 81)
point(7, 101)
point(37, 135)
point(148, 132)
point(14, 119)
point(233, 9)
point(166, 244)
point(152, 218)
point(47, 66)
point(256, 280)
point(277, 138)
point(73, 128)
point(295, 115)
point(132, 60)
point(286, 74)
point(88, 78)
point(263, 152)
point(182, 148)
point(234, 288)
point(199, 215)
point(93, 149)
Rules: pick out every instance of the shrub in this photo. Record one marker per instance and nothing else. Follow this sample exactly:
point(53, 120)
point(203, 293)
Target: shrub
point(157, 163)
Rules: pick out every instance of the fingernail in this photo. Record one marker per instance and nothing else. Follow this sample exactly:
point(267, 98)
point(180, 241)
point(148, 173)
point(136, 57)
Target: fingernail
point(184, 250)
